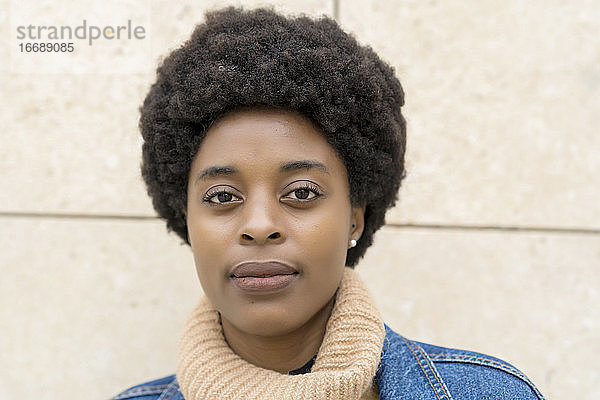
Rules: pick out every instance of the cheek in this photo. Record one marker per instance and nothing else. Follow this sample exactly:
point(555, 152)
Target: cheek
point(205, 231)
point(325, 239)
point(208, 243)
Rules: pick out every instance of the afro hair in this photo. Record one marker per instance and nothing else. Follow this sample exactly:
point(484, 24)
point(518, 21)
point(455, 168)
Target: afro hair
point(258, 58)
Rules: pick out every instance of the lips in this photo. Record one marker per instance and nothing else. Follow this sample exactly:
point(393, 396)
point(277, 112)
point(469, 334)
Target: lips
point(263, 277)
point(262, 269)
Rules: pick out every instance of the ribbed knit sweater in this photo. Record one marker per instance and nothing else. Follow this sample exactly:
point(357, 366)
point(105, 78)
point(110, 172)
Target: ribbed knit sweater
point(345, 366)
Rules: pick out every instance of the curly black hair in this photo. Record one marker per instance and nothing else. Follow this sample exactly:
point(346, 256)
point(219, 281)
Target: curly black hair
point(258, 58)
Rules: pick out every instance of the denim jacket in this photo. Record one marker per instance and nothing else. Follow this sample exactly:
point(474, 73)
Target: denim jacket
point(412, 371)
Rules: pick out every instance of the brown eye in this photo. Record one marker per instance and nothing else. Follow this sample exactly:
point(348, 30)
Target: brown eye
point(224, 197)
point(302, 193)
point(220, 196)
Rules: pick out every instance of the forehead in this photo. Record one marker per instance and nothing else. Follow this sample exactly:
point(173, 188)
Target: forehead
point(262, 136)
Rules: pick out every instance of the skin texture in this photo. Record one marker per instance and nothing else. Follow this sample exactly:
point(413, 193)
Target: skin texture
point(262, 213)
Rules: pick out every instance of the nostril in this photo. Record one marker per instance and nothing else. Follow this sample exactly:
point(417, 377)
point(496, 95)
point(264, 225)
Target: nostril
point(246, 236)
point(274, 235)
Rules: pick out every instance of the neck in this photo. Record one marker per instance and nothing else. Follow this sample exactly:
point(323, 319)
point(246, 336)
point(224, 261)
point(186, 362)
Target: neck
point(281, 353)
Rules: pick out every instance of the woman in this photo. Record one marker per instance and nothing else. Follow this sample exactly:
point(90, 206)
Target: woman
point(274, 146)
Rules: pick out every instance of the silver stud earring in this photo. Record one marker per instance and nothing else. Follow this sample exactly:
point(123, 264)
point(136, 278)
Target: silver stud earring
point(352, 243)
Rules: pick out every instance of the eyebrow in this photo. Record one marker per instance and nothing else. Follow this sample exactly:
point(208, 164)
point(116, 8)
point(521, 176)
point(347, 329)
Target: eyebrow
point(212, 172)
point(215, 171)
point(303, 164)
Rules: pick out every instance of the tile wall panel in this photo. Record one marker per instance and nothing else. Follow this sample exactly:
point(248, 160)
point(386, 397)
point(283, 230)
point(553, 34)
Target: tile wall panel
point(502, 103)
point(70, 141)
point(89, 307)
point(528, 298)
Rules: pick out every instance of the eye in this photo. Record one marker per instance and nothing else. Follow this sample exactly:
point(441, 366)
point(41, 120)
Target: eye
point(218, 196)
point(304, 192)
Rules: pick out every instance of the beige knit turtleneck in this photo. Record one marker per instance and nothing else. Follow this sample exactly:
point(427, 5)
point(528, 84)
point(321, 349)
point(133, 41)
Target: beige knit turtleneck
point(345, 367)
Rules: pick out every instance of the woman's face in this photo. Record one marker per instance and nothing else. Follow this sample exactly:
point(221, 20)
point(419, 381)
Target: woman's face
point(269, 220)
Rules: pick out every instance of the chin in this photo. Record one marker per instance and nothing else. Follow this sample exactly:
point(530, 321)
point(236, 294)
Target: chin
point(270, 329)
point(267, 321)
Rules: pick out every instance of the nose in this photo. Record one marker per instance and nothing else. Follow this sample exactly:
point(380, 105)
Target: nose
point(261, 222)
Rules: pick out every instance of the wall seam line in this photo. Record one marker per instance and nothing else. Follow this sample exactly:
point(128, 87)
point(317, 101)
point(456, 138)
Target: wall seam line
point(452, 227)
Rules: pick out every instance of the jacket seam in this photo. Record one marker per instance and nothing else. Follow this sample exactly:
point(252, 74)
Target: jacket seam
point(437, 374)
point(482, 360)
point(141, 391)
point(430, 367)
point(172, 389)
point(468, 359)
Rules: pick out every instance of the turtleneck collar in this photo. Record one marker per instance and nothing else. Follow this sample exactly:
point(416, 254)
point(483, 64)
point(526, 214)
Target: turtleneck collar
point(344, 367)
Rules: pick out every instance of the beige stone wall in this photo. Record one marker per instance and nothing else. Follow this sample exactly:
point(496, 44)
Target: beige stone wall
point(503, 109)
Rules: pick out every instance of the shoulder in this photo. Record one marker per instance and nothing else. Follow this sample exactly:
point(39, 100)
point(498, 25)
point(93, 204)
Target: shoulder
point(480, 373)
point(163, 388)
point(449, 372)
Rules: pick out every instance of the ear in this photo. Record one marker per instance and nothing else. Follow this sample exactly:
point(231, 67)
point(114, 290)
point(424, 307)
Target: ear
point(357, 222)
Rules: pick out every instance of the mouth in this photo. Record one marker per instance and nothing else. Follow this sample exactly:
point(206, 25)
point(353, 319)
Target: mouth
point(263, 277)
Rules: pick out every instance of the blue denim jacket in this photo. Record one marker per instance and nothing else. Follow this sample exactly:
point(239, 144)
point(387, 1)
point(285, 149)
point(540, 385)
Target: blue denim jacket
point(412, 371)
